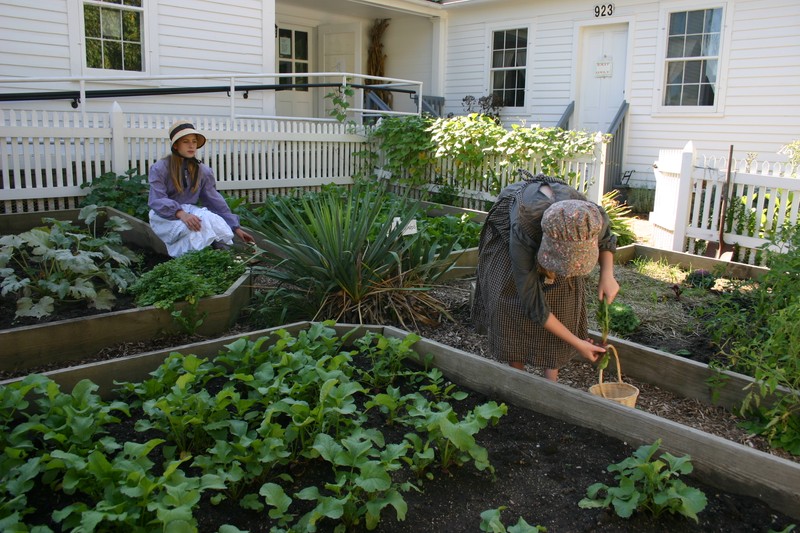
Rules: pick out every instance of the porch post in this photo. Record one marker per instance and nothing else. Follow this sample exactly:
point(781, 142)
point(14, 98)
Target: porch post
point(119, 155)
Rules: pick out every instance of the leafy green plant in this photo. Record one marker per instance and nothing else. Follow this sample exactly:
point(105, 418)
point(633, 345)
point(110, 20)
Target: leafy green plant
point(757, 331)
point(348, 257)
point(618, 214)
point(196, 274)
point(340, 100)
point(407, 147)
point(490, 521)
point(701, 279)
point(126, 193)
point(648, 485)
point(622, 318)
point(61, 264)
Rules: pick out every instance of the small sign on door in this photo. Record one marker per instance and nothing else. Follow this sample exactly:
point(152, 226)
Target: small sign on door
point(602, 68)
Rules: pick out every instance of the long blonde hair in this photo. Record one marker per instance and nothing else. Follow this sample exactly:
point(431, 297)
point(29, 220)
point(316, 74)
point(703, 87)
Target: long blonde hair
point(175, 167)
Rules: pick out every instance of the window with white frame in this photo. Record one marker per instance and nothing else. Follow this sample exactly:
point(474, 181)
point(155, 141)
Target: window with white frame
point(114, 34)
point(508, 64)
point(693, 57)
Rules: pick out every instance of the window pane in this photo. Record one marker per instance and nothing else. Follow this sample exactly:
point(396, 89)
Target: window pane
point(711, 44)
point(497, 59)
point(133, 3)
point(710, 70)
point(673, 95)
point(713, 21)
point(690, 94)
point(522, 38)
point(301, 45)
point(695, 22)
point(497, 43)
point(133, 57)
point(675, 46)
point(131, 26)
point(510, 59)
point(112, 55)
point(675, 72)
point(691, 72)
point(677, 23)
point(497, 79)
point(706, 94)
point(511, 39)
point(91, 21)
point(522, 57)
point(284, 43)
point(111, 23)
point(94, 53)
point(694, 46)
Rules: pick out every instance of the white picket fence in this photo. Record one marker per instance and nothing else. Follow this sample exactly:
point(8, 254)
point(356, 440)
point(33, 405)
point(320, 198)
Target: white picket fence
point(761, 198)
point(46, 157)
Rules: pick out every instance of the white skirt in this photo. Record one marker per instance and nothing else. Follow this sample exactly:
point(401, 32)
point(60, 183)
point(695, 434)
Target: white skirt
point(180, 239)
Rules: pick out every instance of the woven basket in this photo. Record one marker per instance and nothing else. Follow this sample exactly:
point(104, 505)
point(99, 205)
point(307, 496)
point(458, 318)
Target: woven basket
point(622, 393)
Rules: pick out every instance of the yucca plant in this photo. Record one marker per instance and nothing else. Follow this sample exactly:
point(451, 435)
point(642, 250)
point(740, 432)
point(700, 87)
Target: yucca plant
point(350, 262)
point(619, 214)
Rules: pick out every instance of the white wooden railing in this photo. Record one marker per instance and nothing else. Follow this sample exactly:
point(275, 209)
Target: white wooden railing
point(762, 198)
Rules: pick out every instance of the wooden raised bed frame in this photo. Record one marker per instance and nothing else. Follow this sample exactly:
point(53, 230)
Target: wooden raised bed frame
point(55, 342)
point(728, 465)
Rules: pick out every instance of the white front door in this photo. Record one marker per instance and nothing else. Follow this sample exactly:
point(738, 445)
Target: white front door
point(293, 51)
point(339, 51)
point(601, 81)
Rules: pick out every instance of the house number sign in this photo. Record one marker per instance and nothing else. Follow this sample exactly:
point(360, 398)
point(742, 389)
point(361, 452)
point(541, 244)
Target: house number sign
point(603, 10)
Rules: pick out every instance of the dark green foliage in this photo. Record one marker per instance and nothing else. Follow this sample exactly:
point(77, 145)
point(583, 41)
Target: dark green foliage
point(648, 485)
point(243, 426)
point(344, 253)
point(126, 193)
point(618, 213)
point(701, 279)
point(622, 318)
point(758, 332)
point(62, 263)
point(193, 275)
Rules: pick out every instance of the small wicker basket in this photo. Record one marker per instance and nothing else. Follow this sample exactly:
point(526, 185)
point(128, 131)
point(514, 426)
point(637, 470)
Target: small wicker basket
point(622, 393)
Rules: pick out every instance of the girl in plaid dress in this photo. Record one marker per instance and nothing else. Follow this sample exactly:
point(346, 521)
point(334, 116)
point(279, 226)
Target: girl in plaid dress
point(538, 243)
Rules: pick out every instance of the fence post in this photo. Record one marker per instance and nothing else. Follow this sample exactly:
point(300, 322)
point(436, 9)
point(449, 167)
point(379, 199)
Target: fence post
point(684, 195)
point(119, 155)
point(596, 187)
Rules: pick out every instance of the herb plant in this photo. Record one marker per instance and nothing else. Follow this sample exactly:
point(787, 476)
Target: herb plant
point(60, 264)
point(196, 274)
point(648, 485)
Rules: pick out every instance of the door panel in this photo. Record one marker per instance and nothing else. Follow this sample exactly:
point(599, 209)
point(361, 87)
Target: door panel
point(339, 51)
point(601, 87)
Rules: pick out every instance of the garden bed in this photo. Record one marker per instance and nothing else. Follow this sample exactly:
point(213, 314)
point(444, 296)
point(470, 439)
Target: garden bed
point(730, 466)
point(32, 346)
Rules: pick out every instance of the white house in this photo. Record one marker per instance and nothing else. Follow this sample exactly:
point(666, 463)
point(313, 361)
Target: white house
point(717, 73)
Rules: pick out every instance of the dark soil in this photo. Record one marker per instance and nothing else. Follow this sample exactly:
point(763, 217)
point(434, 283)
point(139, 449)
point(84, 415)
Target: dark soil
point(543, 466)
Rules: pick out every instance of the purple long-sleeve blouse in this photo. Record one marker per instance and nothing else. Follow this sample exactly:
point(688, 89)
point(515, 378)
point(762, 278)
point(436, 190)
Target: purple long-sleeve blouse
point(165, 199)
